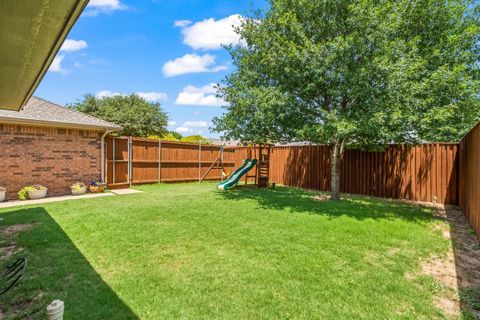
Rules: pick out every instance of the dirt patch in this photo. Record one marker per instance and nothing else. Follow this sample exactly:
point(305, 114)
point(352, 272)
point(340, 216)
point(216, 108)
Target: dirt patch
point(458, 271)
point(449, 306)
point(16, 228)
point(442, 269)
point(321, 197)
point(8, 251)
point(9, 247)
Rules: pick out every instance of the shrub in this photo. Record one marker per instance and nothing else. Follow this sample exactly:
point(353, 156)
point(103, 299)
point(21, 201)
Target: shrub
point(3, 189)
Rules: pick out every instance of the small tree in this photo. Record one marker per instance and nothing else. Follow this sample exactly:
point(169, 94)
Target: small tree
point(168, 136)
point(357, 73)
point(137, 116)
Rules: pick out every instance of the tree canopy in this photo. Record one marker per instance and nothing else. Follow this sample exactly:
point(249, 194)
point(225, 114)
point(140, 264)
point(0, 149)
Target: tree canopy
point(137, 116)
point(196, 139)
point(367, 72)
point(363, 73)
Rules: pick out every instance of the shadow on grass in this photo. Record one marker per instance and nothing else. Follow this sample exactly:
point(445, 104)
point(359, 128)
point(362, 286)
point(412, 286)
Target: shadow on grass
point(56, 270)
point(302, 201)
point(466, 249)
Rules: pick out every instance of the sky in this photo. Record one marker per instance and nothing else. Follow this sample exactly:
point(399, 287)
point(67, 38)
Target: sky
point(168, 51)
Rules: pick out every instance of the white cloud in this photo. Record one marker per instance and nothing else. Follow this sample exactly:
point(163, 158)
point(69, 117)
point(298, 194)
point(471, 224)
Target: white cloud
point(212, 34)
point(107, 93)
point(56, 65)
point(218, 68)
point(191, 63)
point(204, 96)
point(153, 96)
point(196, 124)
point(98, 6)
point(182, 23)
point(71, 45)
point(183, 129)
point(172, 123)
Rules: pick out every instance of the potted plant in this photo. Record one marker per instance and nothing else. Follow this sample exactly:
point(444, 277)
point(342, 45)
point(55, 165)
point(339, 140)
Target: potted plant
point(33, 192)
point(3, 193)
point(97, 186)
point(78, 188)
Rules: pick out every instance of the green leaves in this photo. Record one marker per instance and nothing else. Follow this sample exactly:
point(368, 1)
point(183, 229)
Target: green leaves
point(137, 116)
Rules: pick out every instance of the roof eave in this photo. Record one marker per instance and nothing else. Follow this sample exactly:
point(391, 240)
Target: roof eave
point(45, 123)
point(81, 4)
point(38, 61)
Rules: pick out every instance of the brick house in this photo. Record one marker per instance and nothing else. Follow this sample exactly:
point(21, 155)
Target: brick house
point(50, 145)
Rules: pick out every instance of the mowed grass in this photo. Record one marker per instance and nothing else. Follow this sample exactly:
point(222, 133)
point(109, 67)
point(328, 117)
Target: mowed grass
point(189, 251)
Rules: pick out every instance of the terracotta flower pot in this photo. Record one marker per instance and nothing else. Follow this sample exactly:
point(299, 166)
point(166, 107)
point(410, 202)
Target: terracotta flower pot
point(97, 189)
point(37, 194)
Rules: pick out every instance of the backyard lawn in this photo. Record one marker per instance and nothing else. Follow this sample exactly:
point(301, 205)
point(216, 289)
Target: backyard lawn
point(190, 251)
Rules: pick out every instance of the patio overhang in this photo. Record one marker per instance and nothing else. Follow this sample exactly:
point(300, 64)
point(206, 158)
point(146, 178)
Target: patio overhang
point(31, 33)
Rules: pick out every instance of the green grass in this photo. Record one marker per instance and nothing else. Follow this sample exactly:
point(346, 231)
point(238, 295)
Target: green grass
point(189, 251)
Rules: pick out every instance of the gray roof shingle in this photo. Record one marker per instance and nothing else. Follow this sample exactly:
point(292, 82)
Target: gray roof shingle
point(40, 111)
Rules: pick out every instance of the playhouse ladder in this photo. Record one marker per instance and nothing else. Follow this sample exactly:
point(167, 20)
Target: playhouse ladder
point(263, 166)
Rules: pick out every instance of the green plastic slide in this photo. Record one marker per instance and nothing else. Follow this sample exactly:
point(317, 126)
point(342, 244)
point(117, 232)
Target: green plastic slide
point(233, 179)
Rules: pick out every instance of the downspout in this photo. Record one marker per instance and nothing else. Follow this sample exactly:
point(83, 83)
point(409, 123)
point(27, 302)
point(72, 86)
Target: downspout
point(102, 154)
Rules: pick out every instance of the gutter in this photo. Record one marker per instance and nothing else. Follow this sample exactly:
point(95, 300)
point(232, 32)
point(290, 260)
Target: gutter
point(103, 164)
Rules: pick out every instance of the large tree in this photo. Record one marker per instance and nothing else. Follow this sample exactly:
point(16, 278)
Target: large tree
point(137, 116)
point(354, 73)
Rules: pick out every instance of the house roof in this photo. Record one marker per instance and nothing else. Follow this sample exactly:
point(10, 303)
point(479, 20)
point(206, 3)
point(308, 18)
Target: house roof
point(42, 112)
point(31, 33)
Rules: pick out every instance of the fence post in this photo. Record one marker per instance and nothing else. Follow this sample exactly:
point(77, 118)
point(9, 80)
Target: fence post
point(113, 160)
point(223, 166)
point(159, 161)
point(130, 160)
point(105, 164)
point(199, 162)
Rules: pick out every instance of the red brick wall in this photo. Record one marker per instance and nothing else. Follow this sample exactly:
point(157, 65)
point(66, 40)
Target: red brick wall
point(53, 157)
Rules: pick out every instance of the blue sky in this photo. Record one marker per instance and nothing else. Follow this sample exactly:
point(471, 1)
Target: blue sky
point(166, 50)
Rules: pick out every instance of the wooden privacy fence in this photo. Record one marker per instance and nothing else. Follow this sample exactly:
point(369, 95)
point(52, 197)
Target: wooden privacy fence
point(421, 173)
point(138, 160)
point(469, 173)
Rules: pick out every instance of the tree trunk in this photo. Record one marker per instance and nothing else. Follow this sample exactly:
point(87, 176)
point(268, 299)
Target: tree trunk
point(337, 153)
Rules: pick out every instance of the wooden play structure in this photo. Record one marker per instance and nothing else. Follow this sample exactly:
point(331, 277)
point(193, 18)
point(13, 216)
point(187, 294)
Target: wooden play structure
point(261, 177)
point(217, 163)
